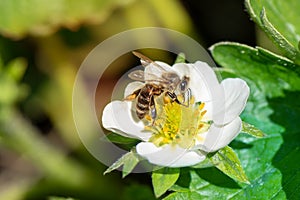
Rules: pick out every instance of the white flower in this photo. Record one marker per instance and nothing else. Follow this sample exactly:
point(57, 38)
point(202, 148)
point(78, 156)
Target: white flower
point(182, 136)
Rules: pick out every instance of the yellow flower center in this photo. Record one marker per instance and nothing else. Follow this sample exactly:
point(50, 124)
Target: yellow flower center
point(177, 124)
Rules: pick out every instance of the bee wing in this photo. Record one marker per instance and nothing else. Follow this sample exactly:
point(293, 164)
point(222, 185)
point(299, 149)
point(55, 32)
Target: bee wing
point(153, 71)
point(137, 75)
point(144, 59)
point(152, 78)
point(147, 61)
point(158, 75)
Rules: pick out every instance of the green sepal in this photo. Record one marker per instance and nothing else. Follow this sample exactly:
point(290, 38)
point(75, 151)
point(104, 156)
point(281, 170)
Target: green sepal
point(163, 179)
point(228, 162)
point(129, 163)
point(180, 58)
point(252, 130)
point(125, 161)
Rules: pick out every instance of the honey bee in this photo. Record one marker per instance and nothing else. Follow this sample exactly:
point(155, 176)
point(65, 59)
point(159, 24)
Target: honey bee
point(157, 81)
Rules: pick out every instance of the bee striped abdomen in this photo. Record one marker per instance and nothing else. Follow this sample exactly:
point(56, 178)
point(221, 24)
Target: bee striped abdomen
point(143, 102)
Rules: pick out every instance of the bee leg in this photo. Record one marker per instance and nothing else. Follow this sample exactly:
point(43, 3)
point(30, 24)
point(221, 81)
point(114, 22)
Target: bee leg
point(152, 108)
point(132, 96)
point(173, 96)
point(186, 98)
point(189, 94)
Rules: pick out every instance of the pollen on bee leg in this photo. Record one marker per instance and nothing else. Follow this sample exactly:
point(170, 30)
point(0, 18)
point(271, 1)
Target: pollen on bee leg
point(167, 100)
point(148, 117)
point(130, 97)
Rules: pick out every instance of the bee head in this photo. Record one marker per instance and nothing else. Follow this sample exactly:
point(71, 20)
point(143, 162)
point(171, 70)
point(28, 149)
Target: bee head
point(183, 84)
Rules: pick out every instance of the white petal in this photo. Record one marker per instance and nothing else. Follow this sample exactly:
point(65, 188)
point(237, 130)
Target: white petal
point(205, 88)
point(132, 87)
point(236, 95)
point(118, 117)
point(169, 156)
point(203, 81)
point(220, 136)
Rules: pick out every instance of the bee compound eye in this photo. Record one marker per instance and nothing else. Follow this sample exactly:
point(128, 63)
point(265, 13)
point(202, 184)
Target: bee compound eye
point(183, 85)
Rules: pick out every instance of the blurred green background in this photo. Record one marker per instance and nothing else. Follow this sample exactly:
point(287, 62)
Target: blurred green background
point(42, 44)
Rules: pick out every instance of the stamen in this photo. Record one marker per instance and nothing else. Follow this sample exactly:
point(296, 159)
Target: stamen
point(201, 106)
point(177, 124)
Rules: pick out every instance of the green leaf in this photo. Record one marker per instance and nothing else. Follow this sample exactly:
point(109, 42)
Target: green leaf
point(10, 75)
point(279, 60)
point(16, 69)
point(286, 47)
point(124, 160)
point(280, 20)
point(269, 162)
point(255, 66)
point(183, 195)
point(163, 179)
point(252, 130)
point(180, 58)
point(119, 139)
point(227, 161)
point(137, 191)
point(44, 17)
point(129, 163)
point(208, 183)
